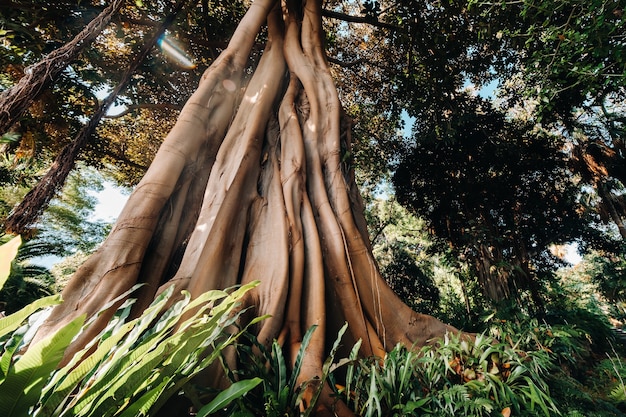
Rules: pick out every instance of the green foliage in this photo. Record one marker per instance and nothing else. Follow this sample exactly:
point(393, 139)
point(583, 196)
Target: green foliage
point(572, 49)
point(496, 191)
point(130, 369)
point(455, 377)
point(402, 249)
point(28, 373)
point(607, 271)
point(279, 394)
point(8, 252)
point(26, 282)
point(230, 394)
point(614, 372)
point(67, 223)
point(66, 228)
point(18, 172)
point(598, 392)
point(562, 342)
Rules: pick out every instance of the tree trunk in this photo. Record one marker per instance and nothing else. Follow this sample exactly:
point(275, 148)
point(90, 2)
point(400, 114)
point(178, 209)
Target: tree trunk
point(15, 100)
point(609, 207)
point(37, 199)
point(249, 185)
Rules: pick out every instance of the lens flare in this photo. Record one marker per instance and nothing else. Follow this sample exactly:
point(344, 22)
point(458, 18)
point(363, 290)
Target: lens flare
point(174, 52)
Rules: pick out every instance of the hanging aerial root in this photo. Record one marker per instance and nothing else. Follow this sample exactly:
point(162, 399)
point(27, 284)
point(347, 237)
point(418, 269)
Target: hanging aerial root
point(307, 62)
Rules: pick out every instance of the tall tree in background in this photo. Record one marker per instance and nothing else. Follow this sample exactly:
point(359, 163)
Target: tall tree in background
point(497, 190)
point(572, 77)
point(15, 100)
point(250, 184)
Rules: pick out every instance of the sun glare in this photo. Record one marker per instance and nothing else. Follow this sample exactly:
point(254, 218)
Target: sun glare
point(174, 52)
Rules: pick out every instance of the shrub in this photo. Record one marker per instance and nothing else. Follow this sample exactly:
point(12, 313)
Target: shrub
point(452, 378)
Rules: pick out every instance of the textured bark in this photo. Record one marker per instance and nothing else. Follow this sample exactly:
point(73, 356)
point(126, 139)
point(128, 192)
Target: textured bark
point(37, 199)
point(597, 163)
point(15, 100)
point(249, 185)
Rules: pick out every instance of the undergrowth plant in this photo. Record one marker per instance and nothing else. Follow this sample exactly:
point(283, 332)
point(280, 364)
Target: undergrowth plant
point(278, 394)
point(130, 370)
point(456, 377)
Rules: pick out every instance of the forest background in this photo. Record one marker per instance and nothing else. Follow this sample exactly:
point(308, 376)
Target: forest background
point(473, 194)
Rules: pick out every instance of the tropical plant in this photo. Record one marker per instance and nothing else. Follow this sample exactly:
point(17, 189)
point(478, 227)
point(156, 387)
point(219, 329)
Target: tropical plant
point(131, 368)
point(282, 389)
point(27, 281)
point(458, 376)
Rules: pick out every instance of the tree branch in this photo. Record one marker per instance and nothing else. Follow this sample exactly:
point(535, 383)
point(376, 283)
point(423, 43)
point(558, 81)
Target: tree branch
point(124, 159)
point(15, 100)
point(360, 19)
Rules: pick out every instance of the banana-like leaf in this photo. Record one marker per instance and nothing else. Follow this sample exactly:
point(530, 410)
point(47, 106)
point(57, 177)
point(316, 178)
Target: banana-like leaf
point(208, 359)
point(123, 358)
point(145, 370)
point(131, 368)
point(8, 252)
point(71, 375)
point(153, 364)
point(25, 379)
point(12, 322)
point(224, 398)
point(141, 406)
point(9, 349)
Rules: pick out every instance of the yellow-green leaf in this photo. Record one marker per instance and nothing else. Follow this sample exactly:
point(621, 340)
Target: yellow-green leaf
point(8, 252)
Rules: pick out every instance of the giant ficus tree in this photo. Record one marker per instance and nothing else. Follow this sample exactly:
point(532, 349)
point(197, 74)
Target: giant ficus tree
point(250, 184)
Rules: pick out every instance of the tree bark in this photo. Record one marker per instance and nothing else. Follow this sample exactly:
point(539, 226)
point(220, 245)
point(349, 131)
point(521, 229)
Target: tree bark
point(607, 202)
point(15, 100)
point(37, 199)
point(249, 185)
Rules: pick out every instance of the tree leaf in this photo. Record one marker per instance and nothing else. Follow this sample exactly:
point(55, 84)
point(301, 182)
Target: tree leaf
point(22, 387)
point(8, 252)
point(72, 374)
point(141, 406)
point(237, 390)
point(13, 321)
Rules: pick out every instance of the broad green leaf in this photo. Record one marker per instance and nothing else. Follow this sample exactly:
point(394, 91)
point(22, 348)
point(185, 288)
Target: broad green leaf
point(146, 319)
point(73, 374)
point(151, 361)
point(224, 398)
point(22, 387)
point(141, 406)
point(13, 321)
point(300, 356)
point(9, 349)
point(8, 252)
point(135, 370)
point(210, 358)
